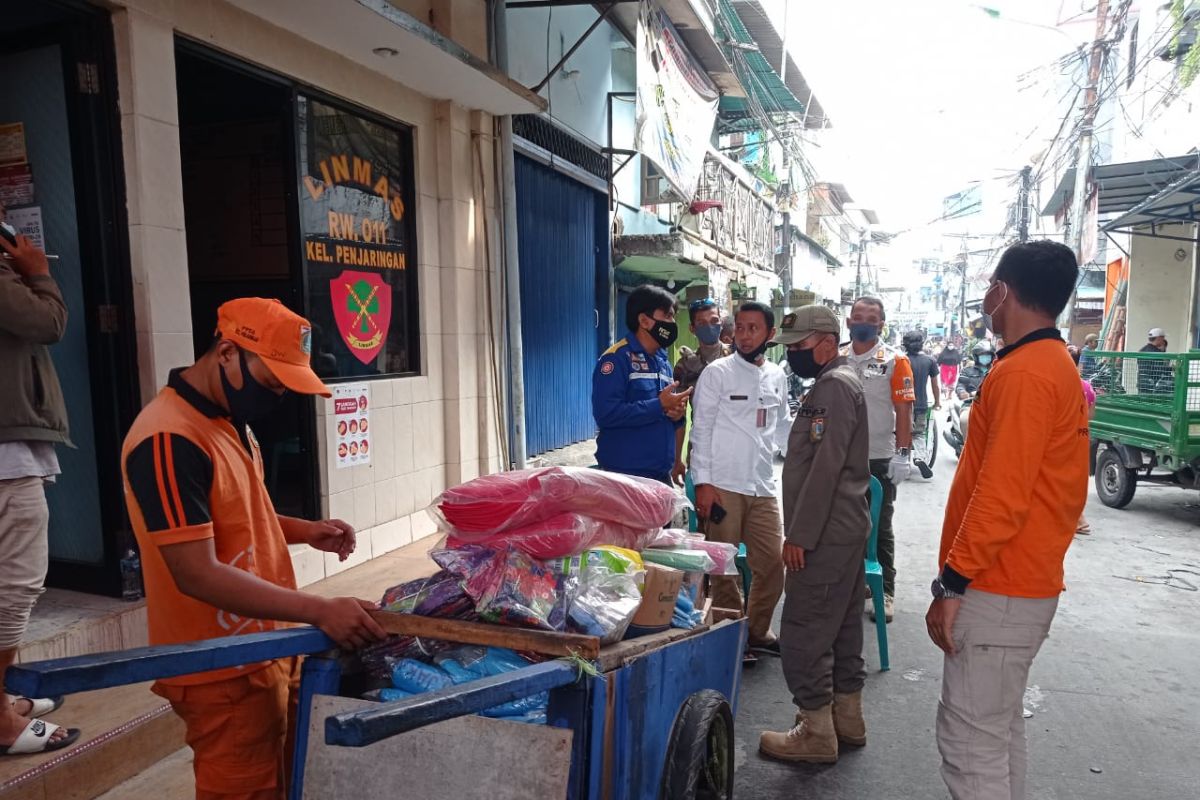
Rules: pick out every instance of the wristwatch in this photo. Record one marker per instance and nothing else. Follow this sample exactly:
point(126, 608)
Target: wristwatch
point(943, 592)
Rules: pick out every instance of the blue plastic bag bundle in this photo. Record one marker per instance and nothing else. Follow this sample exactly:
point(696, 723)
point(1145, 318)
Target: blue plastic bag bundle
point(417, 677)
point(462, 665)
point(686, 615)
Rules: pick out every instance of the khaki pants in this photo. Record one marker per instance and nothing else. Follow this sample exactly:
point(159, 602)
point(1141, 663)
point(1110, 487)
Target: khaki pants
point(24, 554)
point(755, 521)
point(980, 724)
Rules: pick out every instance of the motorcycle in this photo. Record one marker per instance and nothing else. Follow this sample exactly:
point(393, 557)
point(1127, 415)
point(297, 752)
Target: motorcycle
point(957, 419)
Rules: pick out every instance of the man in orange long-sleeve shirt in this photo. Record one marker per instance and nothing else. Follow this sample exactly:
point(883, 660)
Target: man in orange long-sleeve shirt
point(1018, 492)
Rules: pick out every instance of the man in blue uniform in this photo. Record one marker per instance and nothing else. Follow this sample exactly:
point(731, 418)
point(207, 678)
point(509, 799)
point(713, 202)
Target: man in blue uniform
point(634, 400)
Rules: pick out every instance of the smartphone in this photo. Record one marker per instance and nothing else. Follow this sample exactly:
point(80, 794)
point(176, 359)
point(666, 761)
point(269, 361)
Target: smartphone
point(9, 233)
point(716, 513)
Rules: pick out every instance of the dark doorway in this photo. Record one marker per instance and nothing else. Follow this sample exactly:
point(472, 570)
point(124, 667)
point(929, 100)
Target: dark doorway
point(60, 184)
point(237, 143)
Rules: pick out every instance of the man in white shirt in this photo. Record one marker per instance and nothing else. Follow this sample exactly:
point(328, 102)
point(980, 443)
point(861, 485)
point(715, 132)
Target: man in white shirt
point(887, 379)
point(741, 422)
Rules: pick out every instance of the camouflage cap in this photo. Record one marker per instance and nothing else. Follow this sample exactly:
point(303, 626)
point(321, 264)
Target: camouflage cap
point(804, 322)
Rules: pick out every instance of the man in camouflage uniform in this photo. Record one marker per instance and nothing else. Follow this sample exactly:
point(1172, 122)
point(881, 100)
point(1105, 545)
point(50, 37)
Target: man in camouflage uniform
point(705, 323)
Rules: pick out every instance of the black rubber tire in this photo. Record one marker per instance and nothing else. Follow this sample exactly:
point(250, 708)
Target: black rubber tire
point(699, 762)
point(1115, 483)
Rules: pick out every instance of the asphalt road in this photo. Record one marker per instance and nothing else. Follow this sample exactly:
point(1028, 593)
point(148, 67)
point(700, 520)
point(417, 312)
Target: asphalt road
point(1116, 714)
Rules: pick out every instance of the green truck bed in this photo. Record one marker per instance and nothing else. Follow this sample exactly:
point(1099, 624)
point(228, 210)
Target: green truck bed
point(1150, 401)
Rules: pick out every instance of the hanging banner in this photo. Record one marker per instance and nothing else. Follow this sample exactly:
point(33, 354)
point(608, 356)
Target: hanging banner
point(676, 103)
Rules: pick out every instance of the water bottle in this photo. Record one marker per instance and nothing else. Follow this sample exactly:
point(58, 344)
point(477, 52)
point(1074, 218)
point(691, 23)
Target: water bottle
point(131, 576)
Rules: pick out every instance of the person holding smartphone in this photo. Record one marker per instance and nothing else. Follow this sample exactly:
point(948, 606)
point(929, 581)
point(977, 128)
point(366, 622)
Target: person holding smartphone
point(739, 422)
point(33, 420)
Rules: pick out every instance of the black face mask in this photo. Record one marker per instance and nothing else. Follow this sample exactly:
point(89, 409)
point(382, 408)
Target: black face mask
point(756, 353)
point(804, 365)
point(253, 401)
point(664, 332)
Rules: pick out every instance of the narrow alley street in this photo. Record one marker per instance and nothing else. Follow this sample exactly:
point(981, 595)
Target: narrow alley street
point(1114, 708)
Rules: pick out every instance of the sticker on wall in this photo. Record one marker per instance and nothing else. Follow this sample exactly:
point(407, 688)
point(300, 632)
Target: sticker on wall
point(352, 424)
point(362, 310)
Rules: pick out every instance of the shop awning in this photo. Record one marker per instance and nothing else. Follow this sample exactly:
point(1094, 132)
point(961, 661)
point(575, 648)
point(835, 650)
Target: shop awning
point(761, 31)
point(1123, 186)
point(760, 80)
point(1179, 202)
point(393, 43)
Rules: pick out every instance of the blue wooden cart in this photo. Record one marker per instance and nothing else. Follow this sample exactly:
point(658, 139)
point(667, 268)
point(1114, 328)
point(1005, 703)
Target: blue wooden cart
point(655, 721)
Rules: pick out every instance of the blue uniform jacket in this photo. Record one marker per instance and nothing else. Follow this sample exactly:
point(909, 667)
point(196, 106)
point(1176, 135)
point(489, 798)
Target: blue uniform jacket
point(636, 437)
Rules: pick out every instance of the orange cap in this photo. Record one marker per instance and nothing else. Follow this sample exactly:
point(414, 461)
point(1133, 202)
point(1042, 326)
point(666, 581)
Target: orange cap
point(277, 335)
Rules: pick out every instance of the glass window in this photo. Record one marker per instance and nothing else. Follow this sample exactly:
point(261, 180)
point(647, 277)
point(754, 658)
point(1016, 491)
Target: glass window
point(359, 255)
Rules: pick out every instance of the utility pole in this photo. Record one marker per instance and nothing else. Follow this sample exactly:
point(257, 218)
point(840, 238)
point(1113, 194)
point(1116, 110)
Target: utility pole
point(1083, 156)
point(862, 246)
point(1023, 205)
point(786, 201)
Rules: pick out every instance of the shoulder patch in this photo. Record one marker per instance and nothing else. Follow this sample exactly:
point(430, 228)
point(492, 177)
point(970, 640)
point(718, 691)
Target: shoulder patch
point(616, 346)
point(606, 368)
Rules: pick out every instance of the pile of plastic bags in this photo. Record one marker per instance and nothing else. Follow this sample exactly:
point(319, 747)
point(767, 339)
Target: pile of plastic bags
point(551, 512)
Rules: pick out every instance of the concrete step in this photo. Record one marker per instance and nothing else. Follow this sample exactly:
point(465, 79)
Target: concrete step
point(169, 778)
point(125, 730)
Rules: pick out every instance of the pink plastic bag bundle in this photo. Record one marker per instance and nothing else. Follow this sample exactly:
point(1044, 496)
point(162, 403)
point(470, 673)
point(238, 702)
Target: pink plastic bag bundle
point(562, 535)
point(508, 501)
point(724, 556)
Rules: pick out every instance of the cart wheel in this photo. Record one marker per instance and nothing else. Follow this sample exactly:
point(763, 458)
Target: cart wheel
point(1115, 483)
point(700, 756)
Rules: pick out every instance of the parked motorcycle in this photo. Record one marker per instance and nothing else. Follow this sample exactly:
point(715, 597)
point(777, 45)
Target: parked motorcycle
point(957, 418)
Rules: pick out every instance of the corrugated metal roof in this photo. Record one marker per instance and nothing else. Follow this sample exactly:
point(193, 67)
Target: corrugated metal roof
point(770, 45)
point(1123, 186)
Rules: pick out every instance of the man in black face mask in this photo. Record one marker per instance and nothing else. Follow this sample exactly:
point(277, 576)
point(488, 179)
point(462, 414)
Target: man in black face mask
point(826, 526)
point(634, 401)
point(741, 420)
point(214, 551)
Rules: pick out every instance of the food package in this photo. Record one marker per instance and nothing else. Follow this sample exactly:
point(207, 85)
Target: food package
point(511, 500)
point(724, 556)
point(686, 560)
point(605, 588)
point(426, 597)
point(566, 534)
point(508, 586)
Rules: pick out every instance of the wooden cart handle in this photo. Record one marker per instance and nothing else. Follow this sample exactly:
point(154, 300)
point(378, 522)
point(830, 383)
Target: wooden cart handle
point(454, 630)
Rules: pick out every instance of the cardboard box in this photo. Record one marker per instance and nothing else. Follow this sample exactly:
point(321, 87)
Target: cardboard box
point(658, 596)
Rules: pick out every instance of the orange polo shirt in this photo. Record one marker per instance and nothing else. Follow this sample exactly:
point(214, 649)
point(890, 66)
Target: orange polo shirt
point(1022, 480)
point(190, 474)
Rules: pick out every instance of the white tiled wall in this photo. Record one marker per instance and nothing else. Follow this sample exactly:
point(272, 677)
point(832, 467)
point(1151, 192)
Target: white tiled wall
point(430, 429)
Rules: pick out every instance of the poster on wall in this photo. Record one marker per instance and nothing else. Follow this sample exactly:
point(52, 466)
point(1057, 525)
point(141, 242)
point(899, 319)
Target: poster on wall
point(676, 103)
point(16, 185)
point(356, 184)
point(12, 144)
point(352, 424)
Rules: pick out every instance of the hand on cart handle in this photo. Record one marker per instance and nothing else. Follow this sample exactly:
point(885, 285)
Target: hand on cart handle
point(346, 621)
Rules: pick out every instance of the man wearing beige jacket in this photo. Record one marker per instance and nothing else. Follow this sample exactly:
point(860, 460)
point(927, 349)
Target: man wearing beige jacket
point(33, 419)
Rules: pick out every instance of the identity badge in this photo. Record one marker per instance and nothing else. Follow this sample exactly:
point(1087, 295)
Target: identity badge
point(817, 432)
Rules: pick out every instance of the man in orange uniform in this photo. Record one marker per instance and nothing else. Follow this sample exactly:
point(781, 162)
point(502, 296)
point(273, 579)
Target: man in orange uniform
point(1018, 492)
point(215, 553)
